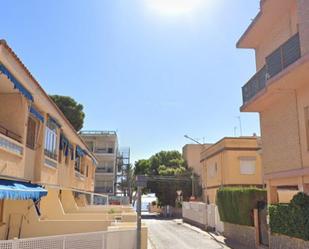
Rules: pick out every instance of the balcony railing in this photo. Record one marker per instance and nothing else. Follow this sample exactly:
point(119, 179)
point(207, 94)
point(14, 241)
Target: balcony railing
point(10, 134)
point(10, 145)
point(281, 58)
point(104, 150)
point(104, 170)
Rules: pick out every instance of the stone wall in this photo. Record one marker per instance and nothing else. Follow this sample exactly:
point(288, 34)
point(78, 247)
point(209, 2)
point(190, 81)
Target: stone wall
point(285, 242)
point(195, 213)
point(243, 235)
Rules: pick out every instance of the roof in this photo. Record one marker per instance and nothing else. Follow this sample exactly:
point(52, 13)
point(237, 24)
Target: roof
point(220, 146)
point(10, 50)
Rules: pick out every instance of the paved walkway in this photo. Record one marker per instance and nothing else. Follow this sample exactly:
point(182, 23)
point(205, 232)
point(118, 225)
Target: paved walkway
point(173, 234)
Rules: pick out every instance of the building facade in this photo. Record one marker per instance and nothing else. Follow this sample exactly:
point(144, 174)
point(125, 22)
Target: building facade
point(280, 94)
point(104, 145)
point(231, 162)
point(47, 173)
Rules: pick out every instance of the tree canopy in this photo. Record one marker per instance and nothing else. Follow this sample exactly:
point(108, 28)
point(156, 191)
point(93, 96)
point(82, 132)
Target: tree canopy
point(71, 109)
point(169, 172)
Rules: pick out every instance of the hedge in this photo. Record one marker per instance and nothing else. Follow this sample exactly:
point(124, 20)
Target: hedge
point(291, 219)
point(236, 205)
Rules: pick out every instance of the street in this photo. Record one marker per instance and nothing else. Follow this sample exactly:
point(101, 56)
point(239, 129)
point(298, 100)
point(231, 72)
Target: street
point(169, 234)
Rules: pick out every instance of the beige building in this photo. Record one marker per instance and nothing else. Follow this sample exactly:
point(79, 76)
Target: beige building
point(280, 94)
point(104, 145)
point(47, 172)
point(231, 162)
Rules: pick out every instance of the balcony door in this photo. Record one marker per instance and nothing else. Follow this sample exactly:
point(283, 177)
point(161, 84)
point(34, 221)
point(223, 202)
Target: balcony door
point(31, 146)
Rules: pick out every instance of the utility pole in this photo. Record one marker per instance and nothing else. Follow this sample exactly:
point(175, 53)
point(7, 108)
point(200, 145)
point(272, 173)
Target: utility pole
point(141, 182)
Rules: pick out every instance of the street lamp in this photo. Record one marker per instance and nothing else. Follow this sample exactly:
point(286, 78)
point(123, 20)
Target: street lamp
point(192, 139)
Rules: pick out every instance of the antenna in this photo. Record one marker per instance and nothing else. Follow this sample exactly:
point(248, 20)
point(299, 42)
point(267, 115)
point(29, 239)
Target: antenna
point(235, 131)
point(240, 127)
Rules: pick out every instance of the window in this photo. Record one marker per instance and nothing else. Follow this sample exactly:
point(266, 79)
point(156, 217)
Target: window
point(51, 140)
point(31, 133)
point(247, 166)
point(307, 125)
point(77, 165)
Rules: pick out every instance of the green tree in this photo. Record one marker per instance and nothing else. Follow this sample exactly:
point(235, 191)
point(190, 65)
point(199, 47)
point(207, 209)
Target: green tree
point(71, 109)
point(169, 173)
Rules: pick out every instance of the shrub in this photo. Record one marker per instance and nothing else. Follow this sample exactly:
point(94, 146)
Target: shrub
point(291, 219)
point(236, 205)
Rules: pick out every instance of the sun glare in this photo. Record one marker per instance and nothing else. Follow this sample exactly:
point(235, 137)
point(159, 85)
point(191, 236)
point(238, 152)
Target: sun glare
point(175, 7)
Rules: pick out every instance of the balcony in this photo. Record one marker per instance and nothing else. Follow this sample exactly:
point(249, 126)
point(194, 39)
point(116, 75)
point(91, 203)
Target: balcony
point(280, 59)
point(10, 145)
point(104, 170)
point(104, 150)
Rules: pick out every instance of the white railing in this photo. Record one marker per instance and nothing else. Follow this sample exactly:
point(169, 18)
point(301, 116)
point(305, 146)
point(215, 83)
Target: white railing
point(10, 145)
point(122, 239)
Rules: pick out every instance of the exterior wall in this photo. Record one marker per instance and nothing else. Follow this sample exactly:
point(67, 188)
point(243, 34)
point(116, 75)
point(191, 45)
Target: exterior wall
point(192, 155)
point(232, 171)
point(280, 137)
point(281, 30)
point(221, 165)
point(303, 101)
point(244, 235)
point(285, 242)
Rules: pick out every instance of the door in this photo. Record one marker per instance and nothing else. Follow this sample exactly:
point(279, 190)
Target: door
point(263, 226)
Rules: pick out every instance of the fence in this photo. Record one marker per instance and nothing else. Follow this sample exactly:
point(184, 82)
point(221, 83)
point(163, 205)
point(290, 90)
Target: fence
point(195, 212)
point(124, 239)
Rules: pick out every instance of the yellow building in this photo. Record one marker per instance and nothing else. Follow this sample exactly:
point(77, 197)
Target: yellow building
point(280, 94)
point(232, 161)
point(46, 171)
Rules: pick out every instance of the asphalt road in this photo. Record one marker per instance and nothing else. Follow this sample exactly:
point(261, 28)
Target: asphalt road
point(170, 234)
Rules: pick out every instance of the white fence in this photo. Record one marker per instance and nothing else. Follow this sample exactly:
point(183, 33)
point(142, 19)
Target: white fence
point(122, 239)
point(196, 212)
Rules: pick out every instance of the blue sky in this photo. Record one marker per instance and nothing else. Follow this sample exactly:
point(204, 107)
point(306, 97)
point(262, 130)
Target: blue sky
point(151, 71)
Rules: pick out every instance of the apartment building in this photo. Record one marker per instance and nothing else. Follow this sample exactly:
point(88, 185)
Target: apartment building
point(104, 145)
point(280, 94)
point(231, 162)
point(44, 168)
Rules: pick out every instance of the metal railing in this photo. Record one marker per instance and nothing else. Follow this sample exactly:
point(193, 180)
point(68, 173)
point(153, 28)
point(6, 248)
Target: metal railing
point(98, 133)
point(104, 150)
point(121, 239)
point(10, 134)
point(276, 62)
